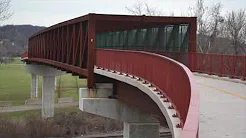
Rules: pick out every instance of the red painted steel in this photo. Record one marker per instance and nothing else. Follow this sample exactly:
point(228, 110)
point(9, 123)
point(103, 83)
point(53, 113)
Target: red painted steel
point(24, 55)
point(91, 51)
point(233, 66)
point(63, 66)
point(63, 47)
point(173, 79)
point(73, 42)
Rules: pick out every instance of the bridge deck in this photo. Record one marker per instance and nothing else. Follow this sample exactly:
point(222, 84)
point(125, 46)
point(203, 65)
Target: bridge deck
point(222, 108)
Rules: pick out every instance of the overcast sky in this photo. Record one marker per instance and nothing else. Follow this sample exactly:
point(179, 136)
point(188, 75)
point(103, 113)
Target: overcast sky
point(49, 12)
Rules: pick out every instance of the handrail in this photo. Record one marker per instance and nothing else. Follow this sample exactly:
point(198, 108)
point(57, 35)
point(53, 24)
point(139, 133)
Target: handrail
point(223, 65)
point(233, 66)
point(172, 78)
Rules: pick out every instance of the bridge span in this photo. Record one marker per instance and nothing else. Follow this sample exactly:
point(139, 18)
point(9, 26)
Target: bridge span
point(138, 70)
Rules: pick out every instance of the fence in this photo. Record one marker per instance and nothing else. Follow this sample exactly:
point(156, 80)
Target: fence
point(233, 66)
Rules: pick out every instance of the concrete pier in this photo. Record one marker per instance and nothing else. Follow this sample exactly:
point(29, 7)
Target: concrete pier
point(137, 124)
point(48, 96)
point(48, 92)
point(34, 86)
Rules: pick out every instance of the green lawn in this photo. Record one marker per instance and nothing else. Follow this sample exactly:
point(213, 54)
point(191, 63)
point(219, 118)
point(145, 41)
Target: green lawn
point(16, 61)
point(15, 84)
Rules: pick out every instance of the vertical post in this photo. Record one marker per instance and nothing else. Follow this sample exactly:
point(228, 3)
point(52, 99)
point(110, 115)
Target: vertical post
point(55, 83)
point(34, 87)
point(192, 44)
point(234, 65)
point(211, 64)
point(221, 66)
point(91, 50)
point(48, 96)
point(244, 77)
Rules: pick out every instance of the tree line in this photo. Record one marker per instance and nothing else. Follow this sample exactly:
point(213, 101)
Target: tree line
point(216, 33)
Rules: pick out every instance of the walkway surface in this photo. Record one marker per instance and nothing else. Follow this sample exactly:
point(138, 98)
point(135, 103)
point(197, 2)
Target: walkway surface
point(34, 107)
point(223, 108)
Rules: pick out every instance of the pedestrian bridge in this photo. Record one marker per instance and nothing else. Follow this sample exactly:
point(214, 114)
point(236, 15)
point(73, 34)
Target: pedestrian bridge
point(138, 69)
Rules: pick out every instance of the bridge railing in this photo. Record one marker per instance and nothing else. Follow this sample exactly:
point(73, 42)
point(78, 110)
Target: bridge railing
point(233, 66)
point(173, 79)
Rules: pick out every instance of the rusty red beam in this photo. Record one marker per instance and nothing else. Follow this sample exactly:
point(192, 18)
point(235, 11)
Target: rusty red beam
point(112, 17)
point(91, 51)
point(63, 66)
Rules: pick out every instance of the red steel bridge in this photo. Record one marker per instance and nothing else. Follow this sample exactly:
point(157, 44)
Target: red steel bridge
point(159, 52)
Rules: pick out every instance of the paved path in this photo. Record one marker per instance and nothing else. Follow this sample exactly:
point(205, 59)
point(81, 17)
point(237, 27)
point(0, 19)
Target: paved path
point(34, 107)
point(223, 108)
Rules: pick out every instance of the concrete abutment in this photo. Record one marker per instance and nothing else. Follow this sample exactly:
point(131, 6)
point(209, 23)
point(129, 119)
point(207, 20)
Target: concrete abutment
point(137, 124)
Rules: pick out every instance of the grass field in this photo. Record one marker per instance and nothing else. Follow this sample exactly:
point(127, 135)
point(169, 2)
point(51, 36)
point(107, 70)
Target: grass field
point(15, 84)
point(17, 61)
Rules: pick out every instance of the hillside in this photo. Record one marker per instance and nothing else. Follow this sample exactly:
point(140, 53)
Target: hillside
point(14, 38)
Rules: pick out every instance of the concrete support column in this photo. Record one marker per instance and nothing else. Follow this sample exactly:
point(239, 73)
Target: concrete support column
point(34, 86)
point(48, 96)
point(55, 82)
point(141, 130)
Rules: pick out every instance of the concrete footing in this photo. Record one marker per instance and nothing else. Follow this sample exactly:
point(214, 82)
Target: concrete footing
point(141, 130)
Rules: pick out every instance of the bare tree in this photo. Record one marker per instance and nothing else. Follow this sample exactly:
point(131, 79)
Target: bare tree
point(236, 30)
point(3, 52)
point(214, 24)
point(143, 8)
point(201, 12)
point(4, 15)
point(5, 10)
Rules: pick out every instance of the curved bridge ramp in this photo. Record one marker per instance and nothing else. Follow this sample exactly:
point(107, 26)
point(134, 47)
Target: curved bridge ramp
point(167, 82)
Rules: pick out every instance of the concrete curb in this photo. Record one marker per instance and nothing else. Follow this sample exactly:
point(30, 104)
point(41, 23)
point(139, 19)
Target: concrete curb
point(219, 78)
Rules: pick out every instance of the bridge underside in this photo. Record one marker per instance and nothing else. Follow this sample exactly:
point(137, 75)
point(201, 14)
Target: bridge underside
point(133, 96)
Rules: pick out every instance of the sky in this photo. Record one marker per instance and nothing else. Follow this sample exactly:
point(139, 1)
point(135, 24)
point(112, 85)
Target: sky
point(49, 12)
